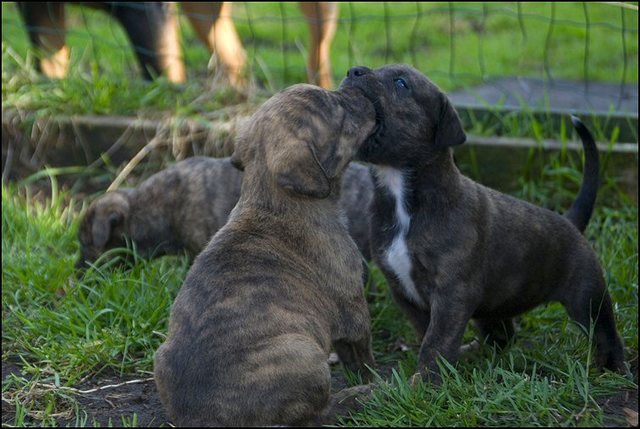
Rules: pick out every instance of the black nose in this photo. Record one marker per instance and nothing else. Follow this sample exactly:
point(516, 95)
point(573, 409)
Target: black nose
point(358, 71)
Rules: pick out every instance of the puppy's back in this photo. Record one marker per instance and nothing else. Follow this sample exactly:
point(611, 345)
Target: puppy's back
point(239, 352)
point(525, 268)
point(190, 200)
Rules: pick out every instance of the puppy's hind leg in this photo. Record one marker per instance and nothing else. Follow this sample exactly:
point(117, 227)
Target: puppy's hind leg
point(342, 403)
point(498, 332)
point(356, 355)
point(418, 317)
point(593, 305)
point(495, 332)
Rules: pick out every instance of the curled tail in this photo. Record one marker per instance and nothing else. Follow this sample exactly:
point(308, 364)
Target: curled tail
point(580, 212)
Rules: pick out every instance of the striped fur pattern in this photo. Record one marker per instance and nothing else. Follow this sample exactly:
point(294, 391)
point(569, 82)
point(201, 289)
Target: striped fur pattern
point(253, 324)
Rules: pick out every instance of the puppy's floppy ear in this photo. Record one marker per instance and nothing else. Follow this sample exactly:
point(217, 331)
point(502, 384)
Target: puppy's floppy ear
point(237, 158)
point(449, 130)
point(104, 215)
point(244, 149)
point(299, 168)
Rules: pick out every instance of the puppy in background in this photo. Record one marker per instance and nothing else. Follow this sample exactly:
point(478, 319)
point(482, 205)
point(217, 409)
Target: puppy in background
point(454, 250)
point(182, 207)
point(252, 326)
point(178, 209)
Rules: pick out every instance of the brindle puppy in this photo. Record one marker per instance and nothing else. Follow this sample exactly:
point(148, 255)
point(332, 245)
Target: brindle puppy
point(251, 329)
point(453, 249)
point(180, 208)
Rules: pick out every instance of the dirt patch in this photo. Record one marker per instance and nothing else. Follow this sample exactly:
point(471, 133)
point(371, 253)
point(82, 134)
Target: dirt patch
point(118, 405)
point(110, 400)
point(107, 401)
point(113, 401)
point(620, 408)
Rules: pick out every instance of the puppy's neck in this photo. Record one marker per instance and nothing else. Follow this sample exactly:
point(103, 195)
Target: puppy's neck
point(260, 191)
point(426, 182)
point(438, 174)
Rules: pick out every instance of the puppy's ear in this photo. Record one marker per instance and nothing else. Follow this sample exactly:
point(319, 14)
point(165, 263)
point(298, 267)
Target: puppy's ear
point(84, 233)
point(449, 130)
point(300, 170)
point(244, 149)
point(241, 154)
point(106, 214)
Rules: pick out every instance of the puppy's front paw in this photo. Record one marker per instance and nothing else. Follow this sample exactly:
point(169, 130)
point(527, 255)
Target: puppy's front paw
point(424, 376)
point(415, 380)
point(473, 346)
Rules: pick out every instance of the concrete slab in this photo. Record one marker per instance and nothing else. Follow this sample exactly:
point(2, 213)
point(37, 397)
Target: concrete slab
point(610, 106)
point(539, 94)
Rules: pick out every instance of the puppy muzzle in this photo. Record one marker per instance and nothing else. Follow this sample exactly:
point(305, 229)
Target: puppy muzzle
point(361, 78)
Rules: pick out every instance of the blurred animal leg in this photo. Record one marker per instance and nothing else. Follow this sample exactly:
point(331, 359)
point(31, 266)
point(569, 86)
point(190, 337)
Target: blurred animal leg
point(214, 25)
point(46, 27)
point(322, 18)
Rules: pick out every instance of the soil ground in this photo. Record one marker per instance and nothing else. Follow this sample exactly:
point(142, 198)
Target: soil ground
point(115, 406)
point(110, 405)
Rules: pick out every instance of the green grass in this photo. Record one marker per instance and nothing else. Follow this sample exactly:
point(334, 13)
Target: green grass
point(498, 391)
point(97, 321)
point(497, 39)
point(62, 329)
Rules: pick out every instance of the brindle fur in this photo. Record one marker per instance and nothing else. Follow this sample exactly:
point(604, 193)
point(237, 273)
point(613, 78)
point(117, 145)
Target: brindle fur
point(180, 208)
point(474, 252)
point(251, 329)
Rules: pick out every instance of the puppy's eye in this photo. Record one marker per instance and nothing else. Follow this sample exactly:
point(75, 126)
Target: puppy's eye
point(401, 83)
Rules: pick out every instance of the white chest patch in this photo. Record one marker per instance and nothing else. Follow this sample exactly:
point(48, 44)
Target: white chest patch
point(397, 254)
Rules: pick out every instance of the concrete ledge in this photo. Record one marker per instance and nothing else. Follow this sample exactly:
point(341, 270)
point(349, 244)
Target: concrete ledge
point(625, 126)
point(601, 106)
point(30, 143)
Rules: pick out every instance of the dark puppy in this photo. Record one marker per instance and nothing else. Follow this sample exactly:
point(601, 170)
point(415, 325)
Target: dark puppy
point(453, 249)
point(180, 208)
point(251, 329)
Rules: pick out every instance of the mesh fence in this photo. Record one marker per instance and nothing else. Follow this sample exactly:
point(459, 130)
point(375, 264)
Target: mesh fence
point(457, 44)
